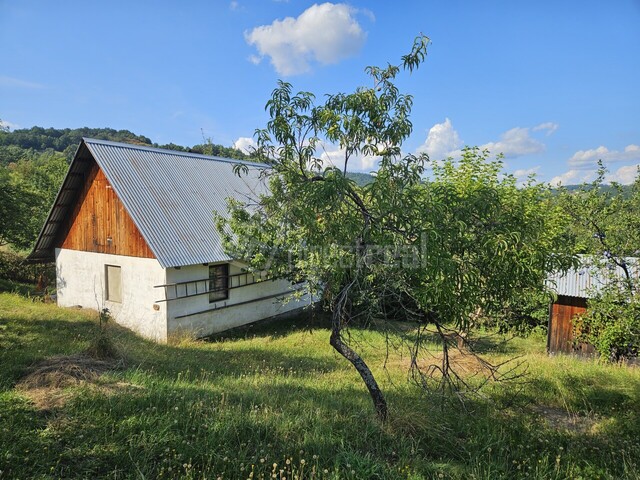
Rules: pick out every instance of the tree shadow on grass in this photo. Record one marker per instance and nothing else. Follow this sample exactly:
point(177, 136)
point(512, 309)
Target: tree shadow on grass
point(101, 432)
point(221, 358)
point(600, 393)
point(20, 288)
point(29, 337)
point(274, 328)
point(243, 424)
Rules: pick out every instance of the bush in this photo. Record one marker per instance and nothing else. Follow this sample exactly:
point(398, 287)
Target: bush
point(101, 346)
point(522, 316)
point(12, 267)
point(611, 324)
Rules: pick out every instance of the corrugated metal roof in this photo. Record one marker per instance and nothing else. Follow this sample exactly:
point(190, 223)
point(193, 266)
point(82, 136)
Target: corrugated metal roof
point(589, 278)
point(170, 196)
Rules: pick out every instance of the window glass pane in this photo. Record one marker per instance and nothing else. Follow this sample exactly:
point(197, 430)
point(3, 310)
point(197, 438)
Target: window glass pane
point(114, 283)
point(218, 282)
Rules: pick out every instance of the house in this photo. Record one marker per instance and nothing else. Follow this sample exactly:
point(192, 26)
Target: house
point(574, 289)
point(132, 229)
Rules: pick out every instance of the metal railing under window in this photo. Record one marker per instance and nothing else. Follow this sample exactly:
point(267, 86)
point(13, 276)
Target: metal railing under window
point(194, 288)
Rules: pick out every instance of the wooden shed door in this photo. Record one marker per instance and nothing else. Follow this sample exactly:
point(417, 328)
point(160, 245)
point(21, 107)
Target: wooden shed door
point(561, 325)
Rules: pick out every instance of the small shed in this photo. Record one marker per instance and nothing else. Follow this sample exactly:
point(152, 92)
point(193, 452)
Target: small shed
point(574, 289)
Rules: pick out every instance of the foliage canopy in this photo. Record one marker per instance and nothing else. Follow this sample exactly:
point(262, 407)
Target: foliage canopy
point(606, 223)
point(436, 252)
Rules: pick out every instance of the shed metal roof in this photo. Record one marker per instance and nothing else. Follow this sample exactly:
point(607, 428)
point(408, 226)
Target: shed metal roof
point(171, 196)
point(589, 278)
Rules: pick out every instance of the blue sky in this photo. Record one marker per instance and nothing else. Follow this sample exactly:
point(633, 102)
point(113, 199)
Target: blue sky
point(555, 85)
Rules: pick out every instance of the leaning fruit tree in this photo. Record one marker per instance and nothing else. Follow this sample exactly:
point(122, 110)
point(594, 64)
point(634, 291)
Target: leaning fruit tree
point(431, 251)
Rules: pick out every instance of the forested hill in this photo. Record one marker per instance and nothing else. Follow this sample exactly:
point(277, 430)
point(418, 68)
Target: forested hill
point(17, 144)
point(40, 139)
point(626, 190)
point(360, 178)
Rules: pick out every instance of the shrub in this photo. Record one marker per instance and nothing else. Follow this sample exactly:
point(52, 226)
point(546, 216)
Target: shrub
point(12, 267)
point(521, 316)
point(101, 346)
point(611, 324)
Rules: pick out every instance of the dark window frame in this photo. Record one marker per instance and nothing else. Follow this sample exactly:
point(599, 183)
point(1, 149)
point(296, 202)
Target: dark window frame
point(218, 282)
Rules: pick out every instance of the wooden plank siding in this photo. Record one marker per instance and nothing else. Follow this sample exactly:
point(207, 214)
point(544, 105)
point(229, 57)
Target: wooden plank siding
point(99, 223)
point(560, 337)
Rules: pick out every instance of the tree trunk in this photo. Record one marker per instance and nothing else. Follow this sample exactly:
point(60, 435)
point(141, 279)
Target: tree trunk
point(341, 308)
point(343, 349)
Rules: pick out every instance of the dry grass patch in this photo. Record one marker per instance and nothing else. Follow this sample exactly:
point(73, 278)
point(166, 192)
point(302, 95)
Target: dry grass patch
point(46, 382)
point(462, 361)
point(562, 420)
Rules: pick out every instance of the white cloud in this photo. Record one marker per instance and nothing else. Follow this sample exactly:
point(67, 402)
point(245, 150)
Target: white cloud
point(550, 127)
point(522, 174)
point(11, 82)
point(234, 5)
point(334, 156)
point(525, 172)
point(245, 144)
point(573, 177)
point(367, 13)
point(589, 158)
point(10, 125)
point(442, 141)
point(624, 175)
point(515, 143)
point(325, 33)
point(583, 165)
point(331, 156)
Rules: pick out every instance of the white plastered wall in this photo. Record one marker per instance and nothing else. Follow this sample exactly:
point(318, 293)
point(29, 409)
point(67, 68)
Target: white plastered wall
point(80, 279)
point(183, 313)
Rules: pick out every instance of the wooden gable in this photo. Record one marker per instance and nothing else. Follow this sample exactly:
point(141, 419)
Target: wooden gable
point(98, 222)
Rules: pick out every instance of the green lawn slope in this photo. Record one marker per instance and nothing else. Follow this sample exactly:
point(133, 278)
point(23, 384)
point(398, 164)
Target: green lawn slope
point(275, 401)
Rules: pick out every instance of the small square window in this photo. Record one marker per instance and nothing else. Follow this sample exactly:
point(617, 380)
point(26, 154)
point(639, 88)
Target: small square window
point(113, 275)
point(218, 282)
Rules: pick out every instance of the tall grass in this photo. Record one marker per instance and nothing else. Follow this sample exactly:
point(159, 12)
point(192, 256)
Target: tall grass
point(277, 402)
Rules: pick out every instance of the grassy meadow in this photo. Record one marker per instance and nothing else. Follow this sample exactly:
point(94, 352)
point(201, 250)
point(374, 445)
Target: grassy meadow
point(275, 401)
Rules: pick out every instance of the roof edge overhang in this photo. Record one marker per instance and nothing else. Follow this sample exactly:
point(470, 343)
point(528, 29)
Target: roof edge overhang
point(44, 248)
